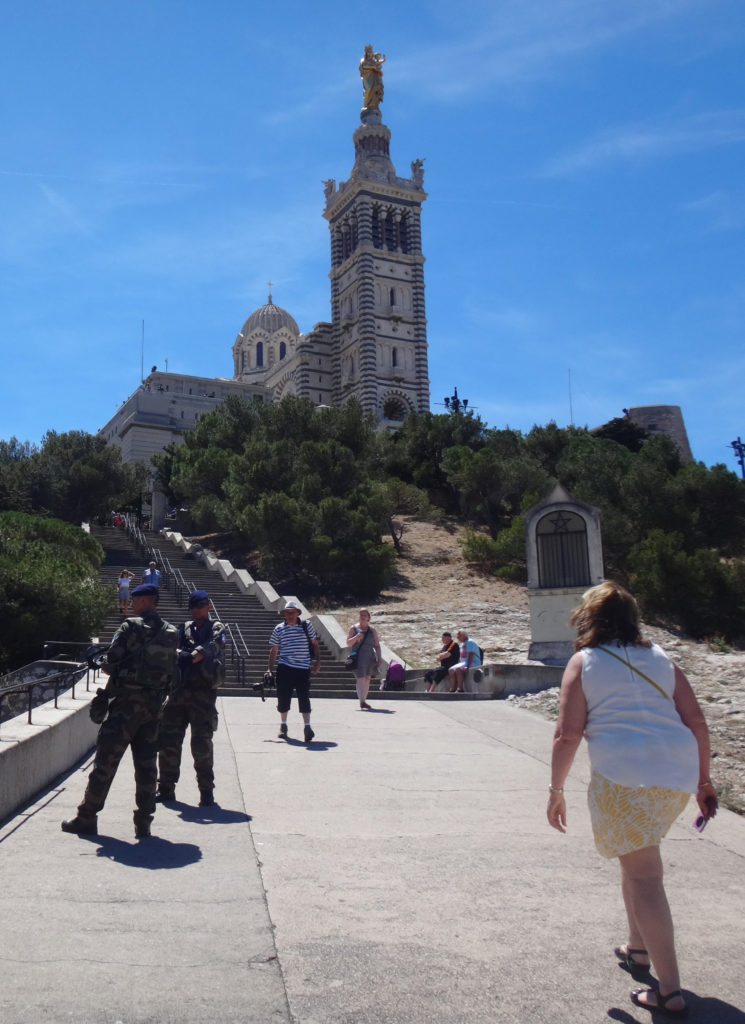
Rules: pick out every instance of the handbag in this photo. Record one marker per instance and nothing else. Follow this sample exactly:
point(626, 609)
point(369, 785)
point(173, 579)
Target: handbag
point(352, 656)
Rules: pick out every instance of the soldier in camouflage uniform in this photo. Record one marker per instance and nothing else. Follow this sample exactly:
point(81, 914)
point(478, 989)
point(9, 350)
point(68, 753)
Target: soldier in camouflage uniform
point(192, 701)
point(141, 663)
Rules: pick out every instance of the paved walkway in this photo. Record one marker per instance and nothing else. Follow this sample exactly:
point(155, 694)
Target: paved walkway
point(397, 871)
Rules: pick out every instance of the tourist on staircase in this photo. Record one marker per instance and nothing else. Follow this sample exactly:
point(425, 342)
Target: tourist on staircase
point(152, 575)
point(122, 590)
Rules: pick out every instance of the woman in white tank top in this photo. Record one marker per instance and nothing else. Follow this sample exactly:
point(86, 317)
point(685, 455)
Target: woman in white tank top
point(649, 750)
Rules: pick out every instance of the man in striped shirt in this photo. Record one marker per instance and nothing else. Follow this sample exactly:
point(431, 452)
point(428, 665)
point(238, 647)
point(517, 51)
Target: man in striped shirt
point(293, 647)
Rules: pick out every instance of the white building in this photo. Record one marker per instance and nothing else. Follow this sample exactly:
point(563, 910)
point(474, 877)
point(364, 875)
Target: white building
point(375, 347)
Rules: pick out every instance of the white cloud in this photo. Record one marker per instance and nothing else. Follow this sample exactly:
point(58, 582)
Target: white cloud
point(652, 140)
point(66, 212)
point(718, 211)
point(518, 43)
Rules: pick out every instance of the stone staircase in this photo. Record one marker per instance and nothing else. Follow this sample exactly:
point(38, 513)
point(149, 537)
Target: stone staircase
point(250, 624)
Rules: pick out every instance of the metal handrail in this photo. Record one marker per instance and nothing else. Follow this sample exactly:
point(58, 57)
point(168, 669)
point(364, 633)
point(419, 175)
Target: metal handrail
point(28, 688)
point(247, 653)
point(181, 587)
point(80, 646)
point(236, 656)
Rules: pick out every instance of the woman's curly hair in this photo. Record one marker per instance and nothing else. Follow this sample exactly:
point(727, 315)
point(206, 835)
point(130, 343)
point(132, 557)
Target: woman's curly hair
point(608, 612)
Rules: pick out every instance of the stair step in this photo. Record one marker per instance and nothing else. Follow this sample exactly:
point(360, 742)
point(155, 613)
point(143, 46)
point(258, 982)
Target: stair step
point(254, 621)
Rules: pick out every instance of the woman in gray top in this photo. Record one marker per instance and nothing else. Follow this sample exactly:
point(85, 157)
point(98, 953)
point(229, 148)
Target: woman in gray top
point(363, 639)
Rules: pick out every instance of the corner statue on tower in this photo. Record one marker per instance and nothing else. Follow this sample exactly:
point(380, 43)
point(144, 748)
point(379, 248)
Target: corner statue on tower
point(371, 73)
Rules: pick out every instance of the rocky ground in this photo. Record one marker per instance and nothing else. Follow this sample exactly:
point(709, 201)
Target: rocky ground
point(436, 590)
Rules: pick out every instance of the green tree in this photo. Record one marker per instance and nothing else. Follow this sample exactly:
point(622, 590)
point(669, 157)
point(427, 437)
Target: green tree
point(623, 431)
point(415, 452)
point(492, 486)
point(698, 591)
point(49, 588)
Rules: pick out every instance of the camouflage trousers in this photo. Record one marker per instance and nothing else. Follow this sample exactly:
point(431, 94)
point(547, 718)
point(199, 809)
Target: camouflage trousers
point(195, 709)
point(133, 721)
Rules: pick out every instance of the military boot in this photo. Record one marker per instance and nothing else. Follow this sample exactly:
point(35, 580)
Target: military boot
point(142, 825)
point(206, 798)
point(81, 826)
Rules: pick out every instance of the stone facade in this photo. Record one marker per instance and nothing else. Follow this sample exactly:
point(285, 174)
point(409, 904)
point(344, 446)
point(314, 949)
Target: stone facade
point(163, 407)
point(375, 347)
point(664, 419)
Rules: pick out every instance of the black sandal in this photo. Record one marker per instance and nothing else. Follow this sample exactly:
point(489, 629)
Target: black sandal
point(661, 1005)
point(626, 961)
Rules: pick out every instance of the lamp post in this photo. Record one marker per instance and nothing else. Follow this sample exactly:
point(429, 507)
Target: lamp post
point(739, 449)
point(455, 404)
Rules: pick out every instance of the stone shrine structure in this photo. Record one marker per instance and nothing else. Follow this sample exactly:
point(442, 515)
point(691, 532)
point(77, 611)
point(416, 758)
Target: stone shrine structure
point(565, 557)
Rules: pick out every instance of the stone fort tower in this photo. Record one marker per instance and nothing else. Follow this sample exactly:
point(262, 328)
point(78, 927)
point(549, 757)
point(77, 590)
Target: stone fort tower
point(375, 348)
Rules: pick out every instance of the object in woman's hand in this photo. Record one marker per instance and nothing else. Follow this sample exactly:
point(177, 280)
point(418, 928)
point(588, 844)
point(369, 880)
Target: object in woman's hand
point(701, 822)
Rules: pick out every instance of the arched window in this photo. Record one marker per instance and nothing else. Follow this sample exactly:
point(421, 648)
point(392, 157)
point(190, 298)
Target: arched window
point(404, 233)
point(260, 353)
point(376, 230)
point(393, 297)
point(282, 350)
point(395, 409)
point(563, 559)
point(394, 357)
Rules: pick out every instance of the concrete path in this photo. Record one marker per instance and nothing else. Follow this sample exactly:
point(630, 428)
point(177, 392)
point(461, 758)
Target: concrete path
point(399, 870)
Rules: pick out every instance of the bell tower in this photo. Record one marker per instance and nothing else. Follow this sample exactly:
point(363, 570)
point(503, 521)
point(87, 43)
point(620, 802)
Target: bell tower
point(379, 327)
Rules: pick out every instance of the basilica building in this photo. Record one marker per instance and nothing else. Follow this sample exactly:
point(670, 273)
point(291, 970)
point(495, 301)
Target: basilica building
point(375, 347)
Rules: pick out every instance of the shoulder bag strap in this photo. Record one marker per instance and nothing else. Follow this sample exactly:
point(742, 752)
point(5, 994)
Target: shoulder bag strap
point(638, 672)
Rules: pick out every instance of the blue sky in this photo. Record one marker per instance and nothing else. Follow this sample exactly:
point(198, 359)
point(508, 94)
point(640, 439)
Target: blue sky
point(161, 161)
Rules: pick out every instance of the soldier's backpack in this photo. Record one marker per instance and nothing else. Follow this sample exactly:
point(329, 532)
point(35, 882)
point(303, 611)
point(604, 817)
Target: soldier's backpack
point(150, 654)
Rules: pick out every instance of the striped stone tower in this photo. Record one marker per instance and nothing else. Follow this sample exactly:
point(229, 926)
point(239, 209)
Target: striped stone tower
point(379, 325)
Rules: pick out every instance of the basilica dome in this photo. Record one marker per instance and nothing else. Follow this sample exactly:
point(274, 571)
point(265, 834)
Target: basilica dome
point(269, 318)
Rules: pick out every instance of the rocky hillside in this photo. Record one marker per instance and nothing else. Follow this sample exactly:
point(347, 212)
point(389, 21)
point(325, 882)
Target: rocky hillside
point(436, 590)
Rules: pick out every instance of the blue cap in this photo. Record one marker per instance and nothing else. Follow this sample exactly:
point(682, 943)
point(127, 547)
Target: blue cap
point(146, 590)
point(198, 598)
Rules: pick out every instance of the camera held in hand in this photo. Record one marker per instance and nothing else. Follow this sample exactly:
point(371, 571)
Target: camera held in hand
point(266, 683)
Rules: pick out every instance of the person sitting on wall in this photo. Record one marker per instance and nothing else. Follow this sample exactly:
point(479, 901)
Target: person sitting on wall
point(448, 656)
point(470, 657)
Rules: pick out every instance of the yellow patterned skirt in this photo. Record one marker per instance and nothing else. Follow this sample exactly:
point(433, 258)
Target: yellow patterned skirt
point(628, 818)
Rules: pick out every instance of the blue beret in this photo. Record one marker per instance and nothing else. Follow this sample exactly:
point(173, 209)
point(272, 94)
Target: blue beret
point(146, 590)
point(198, 597)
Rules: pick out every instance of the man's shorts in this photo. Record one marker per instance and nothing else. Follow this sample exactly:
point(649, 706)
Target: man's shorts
point(291, 679)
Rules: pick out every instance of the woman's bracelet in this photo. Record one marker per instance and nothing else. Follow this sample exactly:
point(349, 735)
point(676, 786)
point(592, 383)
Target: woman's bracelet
point(556, 789)
point(707, 783)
